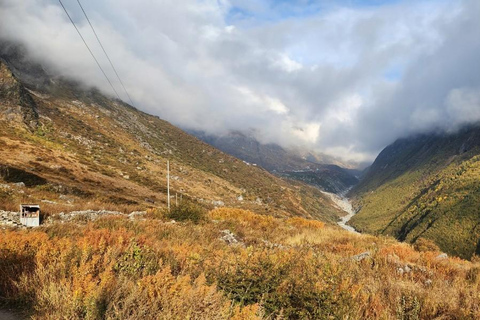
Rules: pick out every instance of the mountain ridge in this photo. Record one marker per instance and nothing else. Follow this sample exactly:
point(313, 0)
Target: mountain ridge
point(318, 170)
point(426, 186)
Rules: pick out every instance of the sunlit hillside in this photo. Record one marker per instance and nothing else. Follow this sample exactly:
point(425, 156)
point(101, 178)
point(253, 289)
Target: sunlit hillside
point(77, 149)
point(425, 187)
point(229, 264)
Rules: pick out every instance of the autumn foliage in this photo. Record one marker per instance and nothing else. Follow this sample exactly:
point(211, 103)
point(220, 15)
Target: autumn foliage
point(116, 268)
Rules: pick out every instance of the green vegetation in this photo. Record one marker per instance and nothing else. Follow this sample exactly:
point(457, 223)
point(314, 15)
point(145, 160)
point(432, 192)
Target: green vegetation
point(425, 188)
point(186, 211)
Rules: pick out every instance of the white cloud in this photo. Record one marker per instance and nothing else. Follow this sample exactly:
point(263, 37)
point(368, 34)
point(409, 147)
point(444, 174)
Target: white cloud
point(317, 79)
point(463, 105)
point(286, 64)
point(308, 133)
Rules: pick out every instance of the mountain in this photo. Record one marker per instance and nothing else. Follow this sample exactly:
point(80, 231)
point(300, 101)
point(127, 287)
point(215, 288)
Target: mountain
point(71, 145)
point(321, 171)
point(70, 148)
point(427, 186)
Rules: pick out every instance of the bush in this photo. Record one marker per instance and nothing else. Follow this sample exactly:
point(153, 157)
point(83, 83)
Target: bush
point(186, 211)
point(424, 245)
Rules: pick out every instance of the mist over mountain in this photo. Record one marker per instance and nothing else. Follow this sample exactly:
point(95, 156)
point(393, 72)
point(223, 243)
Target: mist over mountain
point(320, 170)
point(341, 78)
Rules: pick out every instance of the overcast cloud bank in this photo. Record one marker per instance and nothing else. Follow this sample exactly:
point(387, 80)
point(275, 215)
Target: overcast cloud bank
point(344, 80)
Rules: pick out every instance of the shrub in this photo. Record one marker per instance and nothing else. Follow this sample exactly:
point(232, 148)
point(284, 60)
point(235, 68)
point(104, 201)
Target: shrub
point(186, 211)
point(137, 261)
point(408, 308)
point(290, 285)
point(423, 245)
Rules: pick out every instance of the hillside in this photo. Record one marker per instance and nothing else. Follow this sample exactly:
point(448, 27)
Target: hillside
point(233, 264)
point(75, 148)
point(319, 170)
point(425, 187)
point(109, 249)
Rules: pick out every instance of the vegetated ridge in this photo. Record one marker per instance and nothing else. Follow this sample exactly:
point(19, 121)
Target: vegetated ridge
point(427, 186)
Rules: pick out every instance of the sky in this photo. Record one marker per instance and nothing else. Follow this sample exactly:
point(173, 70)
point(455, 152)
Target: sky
point(345, 77)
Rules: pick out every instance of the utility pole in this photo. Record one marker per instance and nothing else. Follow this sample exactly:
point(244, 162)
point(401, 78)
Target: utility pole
point(168, 185)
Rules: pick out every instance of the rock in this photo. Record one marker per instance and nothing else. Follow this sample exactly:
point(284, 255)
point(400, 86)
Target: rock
point(230, 238)
point(361, 256)
point(218, 203)
point(428, 282)
point(240, 198)
point(19, 184)
point(271, 245)
point(10, 219)
point(136, 214)
point(49, 201)
point(441, 256)
point(86, 214)
point(407, 269)
point(66, 198)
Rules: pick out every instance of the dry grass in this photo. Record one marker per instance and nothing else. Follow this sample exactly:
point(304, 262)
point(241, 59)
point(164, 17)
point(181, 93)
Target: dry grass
point(294, 268)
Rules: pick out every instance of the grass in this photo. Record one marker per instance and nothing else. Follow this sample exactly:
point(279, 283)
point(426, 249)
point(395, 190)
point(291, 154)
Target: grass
point(290, 268)
point(435, 197)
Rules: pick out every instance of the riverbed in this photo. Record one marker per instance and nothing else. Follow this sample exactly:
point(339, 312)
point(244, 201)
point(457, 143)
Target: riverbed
point(344, 204)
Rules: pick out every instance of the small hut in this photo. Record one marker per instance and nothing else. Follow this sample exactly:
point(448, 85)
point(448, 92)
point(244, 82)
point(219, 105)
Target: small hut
point(30, 215)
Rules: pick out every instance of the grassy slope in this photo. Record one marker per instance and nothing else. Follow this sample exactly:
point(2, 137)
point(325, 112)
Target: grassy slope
point(115, 268)
point(96, 150)
point(425, 187)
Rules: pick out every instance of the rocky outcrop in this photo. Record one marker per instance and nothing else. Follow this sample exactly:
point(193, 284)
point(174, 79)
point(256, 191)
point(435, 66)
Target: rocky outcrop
point(16, 103)
point(10, 219)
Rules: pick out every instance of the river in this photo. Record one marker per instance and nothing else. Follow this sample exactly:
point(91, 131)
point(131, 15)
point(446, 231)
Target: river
point(344, 204)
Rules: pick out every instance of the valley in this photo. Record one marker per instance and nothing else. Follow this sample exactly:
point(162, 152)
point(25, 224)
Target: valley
point(316, 169)
point(273, 234)
point(425, 187)
point(344, 204)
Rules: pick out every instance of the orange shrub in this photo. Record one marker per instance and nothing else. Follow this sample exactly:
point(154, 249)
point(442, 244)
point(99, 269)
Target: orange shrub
point(298, 222)
point(401, 250)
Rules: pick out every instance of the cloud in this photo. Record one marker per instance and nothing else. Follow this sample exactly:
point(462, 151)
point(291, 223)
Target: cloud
point(338, 78)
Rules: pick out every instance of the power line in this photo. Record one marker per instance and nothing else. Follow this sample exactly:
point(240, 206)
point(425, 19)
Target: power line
point(104, 51)
point(98, 64)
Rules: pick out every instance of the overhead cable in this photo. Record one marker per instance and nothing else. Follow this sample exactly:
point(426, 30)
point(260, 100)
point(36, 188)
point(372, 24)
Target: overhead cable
point(89, 50)
point(104, 51)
